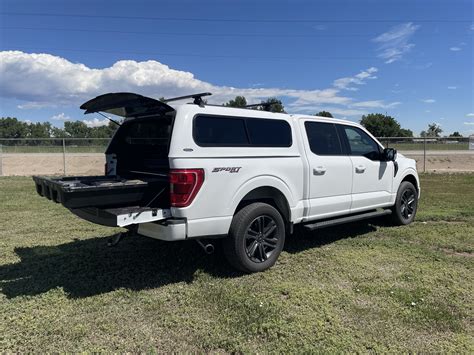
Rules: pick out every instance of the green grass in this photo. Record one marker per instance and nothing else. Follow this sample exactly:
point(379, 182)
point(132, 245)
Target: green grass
point(357, 288)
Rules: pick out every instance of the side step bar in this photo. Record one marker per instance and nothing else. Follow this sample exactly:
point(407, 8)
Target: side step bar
point(353, 218)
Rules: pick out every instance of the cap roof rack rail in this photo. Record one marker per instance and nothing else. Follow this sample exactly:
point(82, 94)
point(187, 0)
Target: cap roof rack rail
point(197, 98)
point(266, 105)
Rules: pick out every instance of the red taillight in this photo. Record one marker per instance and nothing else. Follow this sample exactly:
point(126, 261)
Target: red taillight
point(184, 186)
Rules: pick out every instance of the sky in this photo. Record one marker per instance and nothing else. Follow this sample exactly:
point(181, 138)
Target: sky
point(411, 59)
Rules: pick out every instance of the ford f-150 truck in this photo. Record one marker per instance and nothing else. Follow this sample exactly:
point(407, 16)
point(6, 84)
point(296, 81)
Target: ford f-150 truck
point(199, 171)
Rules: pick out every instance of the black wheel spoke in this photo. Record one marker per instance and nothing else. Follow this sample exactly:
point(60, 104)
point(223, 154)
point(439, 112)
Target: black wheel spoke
point(407, 204)
point(252, 248)
point(271, 227)
point(261, 238)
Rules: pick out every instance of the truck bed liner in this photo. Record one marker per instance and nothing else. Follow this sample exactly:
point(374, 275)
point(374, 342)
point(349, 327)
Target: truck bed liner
point(100, 191)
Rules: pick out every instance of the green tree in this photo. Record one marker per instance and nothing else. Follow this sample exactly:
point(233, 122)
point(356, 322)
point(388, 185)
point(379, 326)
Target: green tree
point(324, 114)
point(76, 129)
point(239, 101)
point(273, 104)
point(434, 130)
point(405, 132)
point(11, 127)
point(39, 130)
point(381, 125)
point(456, 134)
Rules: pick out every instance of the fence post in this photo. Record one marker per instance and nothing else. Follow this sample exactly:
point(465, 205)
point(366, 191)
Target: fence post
point(64, 156)
point(424, 154)
point(1, 160)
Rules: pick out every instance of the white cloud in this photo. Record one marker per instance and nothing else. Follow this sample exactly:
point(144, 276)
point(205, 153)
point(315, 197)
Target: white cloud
point(471, 114)
point(395, 43)
point(95, 122)
point(428, 101)
point(27, 121)
point(61, 117)
point(59, 82)
point(469, 123)
point(358, 79)
point(452, 87)
point(337, 111)
point(376, 104)
point(455, 49)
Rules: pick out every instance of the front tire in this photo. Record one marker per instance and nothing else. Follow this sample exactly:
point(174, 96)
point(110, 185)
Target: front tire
point(256, 238)
point(406, 204)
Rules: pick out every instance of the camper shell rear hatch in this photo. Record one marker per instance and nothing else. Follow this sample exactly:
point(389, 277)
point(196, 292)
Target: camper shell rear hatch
point(141, 181)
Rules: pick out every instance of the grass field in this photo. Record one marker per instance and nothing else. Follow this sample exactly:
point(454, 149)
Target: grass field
point(359, 288)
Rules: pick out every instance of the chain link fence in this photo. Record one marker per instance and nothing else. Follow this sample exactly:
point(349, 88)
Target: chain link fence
point(85, 156)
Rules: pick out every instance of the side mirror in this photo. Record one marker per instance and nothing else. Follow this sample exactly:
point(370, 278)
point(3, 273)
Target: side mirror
point(389, 154)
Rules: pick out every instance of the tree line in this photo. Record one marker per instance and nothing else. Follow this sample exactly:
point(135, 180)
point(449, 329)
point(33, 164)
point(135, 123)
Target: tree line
point(378, 124)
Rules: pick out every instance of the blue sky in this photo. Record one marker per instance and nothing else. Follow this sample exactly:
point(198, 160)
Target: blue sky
point(411, 59)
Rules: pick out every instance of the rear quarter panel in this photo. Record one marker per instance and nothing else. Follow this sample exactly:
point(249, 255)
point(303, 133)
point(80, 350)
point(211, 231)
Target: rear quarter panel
point(232, 172)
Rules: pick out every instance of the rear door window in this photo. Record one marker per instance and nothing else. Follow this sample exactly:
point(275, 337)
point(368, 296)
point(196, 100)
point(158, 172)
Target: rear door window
point(323, 138)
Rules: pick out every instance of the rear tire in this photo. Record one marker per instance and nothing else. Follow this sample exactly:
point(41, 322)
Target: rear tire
point(406, 204)
point(256, 238)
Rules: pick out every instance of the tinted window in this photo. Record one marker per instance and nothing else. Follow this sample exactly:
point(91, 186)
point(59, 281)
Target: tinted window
point(269, 133)
point(220, 131)
point(225, 131)
point(323, 138)
point(360, 143)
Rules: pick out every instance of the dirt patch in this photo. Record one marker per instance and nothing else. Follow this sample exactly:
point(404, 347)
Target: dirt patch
point(457, 253)
point(52, 164)
point(444, 162)
point(27, 164)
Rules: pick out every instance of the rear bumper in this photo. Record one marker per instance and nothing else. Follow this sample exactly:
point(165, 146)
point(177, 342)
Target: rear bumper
point(168, 230)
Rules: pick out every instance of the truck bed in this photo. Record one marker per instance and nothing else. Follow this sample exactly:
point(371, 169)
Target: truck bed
point(104, 191)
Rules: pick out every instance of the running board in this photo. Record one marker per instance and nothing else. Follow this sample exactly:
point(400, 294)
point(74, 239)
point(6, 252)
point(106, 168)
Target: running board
point(341, 220)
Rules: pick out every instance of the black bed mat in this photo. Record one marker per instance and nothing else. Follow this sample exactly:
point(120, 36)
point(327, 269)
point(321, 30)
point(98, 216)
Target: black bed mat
point(100, 191)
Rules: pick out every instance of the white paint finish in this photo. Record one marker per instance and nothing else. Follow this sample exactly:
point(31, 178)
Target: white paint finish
point(314, 186)
point(200, 227)
point(151, 215)
point(371, 182)
point(171, 232)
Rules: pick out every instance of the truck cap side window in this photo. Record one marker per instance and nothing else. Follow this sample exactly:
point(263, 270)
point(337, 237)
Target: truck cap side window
point(226, 131)
point(323, 138)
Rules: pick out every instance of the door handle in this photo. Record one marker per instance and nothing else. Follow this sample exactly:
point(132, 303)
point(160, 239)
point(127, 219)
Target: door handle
point(360, 169)
point(320, 170)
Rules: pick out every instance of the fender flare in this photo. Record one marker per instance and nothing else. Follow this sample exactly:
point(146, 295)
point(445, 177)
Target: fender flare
point(261, 181)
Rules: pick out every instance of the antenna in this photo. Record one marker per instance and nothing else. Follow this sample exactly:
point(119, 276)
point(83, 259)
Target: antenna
point(197, 98)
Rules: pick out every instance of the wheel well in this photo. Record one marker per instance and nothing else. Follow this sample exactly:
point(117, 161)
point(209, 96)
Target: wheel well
point(412, 179)
point(270, 195)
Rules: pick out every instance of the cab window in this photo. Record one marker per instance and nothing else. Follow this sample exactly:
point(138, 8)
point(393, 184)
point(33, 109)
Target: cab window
point(360, 143)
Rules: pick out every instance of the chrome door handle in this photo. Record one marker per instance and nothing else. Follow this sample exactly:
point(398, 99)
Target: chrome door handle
point(360, 169)
point(320, 170)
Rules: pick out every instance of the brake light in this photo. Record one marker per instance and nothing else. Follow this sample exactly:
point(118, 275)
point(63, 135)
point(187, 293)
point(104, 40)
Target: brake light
point(184, 186)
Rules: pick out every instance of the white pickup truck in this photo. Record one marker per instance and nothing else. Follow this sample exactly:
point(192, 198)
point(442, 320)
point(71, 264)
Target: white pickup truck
point(198, 171)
